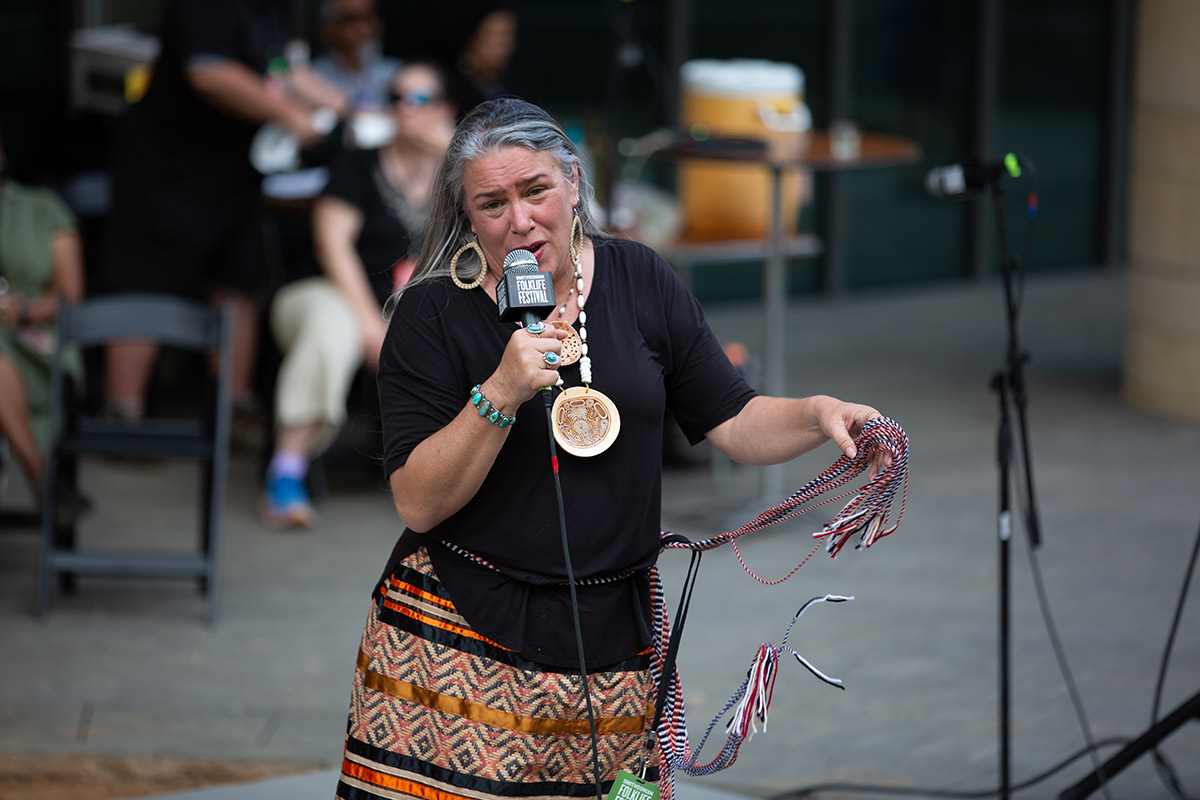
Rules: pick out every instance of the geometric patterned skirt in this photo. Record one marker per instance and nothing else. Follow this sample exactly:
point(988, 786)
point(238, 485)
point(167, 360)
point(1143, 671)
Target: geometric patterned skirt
point(439, 712)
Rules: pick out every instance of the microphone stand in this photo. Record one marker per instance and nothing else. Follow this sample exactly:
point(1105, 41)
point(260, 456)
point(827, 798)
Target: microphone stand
point(1009, 385)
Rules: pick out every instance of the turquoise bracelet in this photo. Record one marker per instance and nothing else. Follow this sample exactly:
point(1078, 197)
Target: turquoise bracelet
point(489, 411)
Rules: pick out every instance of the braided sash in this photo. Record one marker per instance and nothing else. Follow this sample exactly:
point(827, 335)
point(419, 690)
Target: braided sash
point(867, 514)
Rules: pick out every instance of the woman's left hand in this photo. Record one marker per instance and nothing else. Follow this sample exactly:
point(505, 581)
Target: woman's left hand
point(843, 422)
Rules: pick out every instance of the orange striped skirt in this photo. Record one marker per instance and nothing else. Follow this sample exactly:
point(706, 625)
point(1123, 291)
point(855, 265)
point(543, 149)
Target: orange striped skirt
point(439, 712)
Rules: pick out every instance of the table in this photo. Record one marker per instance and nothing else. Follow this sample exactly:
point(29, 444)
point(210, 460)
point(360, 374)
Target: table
point(812, 151)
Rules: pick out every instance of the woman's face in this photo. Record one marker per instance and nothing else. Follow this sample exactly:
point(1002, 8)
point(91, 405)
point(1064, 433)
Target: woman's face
point(517, 198)
point(419, 101)
point(494, 42)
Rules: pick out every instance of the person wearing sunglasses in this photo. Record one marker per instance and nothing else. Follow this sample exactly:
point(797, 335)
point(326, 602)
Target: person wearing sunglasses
point(329, 324)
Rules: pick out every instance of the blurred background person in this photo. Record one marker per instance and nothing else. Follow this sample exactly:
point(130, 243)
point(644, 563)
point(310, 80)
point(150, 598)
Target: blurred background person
point(186, 201)
point(482, 54)
point(41, 262)
point(352, 61)
point(365, 225)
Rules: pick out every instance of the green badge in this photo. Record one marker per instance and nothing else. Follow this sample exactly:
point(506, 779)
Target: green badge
point(627, 786)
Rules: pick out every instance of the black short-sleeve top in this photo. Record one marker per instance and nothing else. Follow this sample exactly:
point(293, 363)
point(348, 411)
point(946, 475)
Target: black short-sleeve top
point(651, 352)
point(212, 143)
point(389, 221)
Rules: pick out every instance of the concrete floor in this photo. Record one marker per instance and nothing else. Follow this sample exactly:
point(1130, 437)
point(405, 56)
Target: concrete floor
point(130, 667)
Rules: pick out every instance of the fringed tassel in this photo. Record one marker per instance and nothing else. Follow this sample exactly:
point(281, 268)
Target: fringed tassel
point(757, 697)
point(749, 705)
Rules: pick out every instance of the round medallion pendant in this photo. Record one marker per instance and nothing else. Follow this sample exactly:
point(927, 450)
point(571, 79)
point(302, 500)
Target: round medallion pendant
point(586, 422)
point(572, 346)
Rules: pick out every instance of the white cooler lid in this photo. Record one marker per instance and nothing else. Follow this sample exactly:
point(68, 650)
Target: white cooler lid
point(742, 77)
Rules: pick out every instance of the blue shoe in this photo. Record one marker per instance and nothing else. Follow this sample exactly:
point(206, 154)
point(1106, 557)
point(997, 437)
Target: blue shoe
point(285, 503)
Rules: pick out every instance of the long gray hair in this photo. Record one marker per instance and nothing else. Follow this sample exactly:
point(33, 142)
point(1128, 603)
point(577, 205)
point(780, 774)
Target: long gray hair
point(490, 126)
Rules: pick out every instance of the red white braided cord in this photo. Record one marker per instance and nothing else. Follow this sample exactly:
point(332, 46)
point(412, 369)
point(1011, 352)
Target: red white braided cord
point(867, 514)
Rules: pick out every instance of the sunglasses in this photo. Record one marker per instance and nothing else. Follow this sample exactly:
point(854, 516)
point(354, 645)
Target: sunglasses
point(414, 97)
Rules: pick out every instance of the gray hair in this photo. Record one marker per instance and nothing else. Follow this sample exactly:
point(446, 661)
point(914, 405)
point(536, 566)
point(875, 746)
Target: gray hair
point(490, 126)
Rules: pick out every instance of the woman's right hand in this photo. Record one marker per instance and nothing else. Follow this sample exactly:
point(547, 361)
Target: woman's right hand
point(523, 369)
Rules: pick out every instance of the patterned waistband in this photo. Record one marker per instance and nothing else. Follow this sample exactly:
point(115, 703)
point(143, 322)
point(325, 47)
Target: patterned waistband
point(483, 562)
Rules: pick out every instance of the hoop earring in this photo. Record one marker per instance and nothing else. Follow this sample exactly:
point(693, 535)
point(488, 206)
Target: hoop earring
point(483, 268)
point(575, 250)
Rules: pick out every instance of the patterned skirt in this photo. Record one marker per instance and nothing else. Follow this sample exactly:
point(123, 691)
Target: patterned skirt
point(439, 712)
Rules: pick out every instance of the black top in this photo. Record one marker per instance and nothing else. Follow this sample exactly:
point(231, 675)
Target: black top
point(249, 32)
point(651, 350)
point(186, 199)
point(389, 220)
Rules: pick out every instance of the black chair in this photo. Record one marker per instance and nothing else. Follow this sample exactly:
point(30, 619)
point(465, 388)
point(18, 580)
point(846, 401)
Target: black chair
point(199, 433)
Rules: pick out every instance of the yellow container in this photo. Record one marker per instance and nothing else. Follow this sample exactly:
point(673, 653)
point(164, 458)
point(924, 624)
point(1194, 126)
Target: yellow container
point(740, 98)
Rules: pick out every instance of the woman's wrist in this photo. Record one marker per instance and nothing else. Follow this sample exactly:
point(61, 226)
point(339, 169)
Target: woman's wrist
point(487, 410)
point(497, 391)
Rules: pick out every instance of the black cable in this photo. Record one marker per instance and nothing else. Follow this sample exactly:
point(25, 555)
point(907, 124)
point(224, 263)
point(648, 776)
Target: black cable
point(972, 794)
point(1165, 770)
point(1061, 657)
point(562, 524)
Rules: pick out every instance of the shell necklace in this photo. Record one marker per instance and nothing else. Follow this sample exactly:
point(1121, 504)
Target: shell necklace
point(585, 421)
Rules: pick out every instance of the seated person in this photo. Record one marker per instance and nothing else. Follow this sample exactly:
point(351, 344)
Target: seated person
point(41, 261)
point(365, 224)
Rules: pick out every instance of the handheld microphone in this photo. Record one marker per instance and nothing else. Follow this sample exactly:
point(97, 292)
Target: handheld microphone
point(969, 177)
point(525, 294)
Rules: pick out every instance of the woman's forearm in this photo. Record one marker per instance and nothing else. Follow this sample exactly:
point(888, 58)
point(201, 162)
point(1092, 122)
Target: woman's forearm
point(66, 277)
point(336, 227)
point(772, 430)
point(445, 471)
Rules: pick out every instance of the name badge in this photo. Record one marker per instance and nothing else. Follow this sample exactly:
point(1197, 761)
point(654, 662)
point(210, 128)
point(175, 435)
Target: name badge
point(628, 786)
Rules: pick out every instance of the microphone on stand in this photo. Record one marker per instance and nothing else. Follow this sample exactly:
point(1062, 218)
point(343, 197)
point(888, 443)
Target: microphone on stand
point(969, 177)
point(525, 293)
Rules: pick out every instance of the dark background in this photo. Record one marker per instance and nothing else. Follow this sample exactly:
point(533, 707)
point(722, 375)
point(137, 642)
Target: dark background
point(1047, 81)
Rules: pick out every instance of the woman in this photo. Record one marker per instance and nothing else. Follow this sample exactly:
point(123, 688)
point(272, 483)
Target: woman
point(467, 676)
point(329, 325)
point(41, 263)
point(483, 54)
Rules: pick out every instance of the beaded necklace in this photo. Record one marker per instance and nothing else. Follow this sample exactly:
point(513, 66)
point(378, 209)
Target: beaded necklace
point(585, 421)
point(574, 347)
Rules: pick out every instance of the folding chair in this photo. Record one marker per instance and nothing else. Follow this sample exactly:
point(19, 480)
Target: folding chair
point(172, 322)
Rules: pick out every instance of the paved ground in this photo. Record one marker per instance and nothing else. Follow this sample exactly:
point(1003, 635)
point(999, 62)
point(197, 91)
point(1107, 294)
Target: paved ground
point(131, 668)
